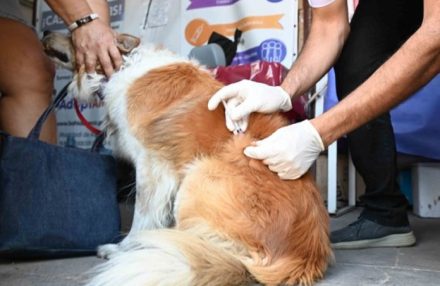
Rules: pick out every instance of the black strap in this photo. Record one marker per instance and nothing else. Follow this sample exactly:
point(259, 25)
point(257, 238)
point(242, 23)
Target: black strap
point(35, 132)
point(97, 145)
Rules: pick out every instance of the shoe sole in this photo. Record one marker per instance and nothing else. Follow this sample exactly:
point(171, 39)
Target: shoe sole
point(393, 240)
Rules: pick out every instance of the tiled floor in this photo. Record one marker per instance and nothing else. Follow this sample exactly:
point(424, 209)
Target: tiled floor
point(412, 266)
point(418, 265)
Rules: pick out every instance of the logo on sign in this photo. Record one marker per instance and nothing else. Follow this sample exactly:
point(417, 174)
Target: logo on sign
point(272, 50)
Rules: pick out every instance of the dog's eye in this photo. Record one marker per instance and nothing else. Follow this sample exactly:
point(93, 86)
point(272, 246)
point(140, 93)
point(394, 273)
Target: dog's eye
point(59, 55)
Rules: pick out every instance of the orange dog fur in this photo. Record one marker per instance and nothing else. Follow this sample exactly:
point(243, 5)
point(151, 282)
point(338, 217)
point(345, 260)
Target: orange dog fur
point(235, 221)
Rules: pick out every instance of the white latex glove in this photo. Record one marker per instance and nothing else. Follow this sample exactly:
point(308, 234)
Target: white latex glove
point(289, 151)
point(244, 97)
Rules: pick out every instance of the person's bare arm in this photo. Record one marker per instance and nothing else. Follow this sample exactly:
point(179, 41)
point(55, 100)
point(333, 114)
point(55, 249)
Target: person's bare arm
point(94, 42)
point(324, 43)
point(71, 11)
point(411, 67)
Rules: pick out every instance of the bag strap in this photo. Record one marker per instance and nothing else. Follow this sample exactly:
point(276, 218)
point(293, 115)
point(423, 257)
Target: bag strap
point(98, 143)
point(35, 132)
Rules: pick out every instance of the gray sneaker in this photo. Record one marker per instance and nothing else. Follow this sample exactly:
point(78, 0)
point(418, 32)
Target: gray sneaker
point(364, 233)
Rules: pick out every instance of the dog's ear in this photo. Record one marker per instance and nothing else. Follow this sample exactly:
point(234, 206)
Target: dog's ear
point(126, 42)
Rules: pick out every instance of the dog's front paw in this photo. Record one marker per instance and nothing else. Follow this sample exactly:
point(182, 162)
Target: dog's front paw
point(106, 251)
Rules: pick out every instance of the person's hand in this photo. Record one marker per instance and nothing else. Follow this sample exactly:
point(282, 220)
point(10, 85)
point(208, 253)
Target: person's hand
point(289, 151)
point(95, 43)
point(244, 97)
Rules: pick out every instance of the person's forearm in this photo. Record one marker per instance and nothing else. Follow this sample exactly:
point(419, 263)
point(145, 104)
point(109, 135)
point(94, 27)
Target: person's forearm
point(327, 35)
point(72, 10)
point(101, 8)
point(94, 43)
point(411, 67)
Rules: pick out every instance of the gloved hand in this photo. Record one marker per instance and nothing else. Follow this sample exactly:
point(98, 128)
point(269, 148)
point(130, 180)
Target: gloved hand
point(244, 97)
point(289, 151)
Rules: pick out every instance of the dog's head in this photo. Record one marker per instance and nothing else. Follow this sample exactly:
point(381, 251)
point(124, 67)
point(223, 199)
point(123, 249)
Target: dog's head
point(59, 48)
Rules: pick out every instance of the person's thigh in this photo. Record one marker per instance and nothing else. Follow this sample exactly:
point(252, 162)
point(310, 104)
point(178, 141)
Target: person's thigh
point(23, 62)
point(378, 29)
point(26, 80)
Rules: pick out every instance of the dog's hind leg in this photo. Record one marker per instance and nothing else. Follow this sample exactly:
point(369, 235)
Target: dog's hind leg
point(156, 187)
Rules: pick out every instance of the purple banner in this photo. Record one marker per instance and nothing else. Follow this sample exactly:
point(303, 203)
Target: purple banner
point(246, 57)
point(197, 4)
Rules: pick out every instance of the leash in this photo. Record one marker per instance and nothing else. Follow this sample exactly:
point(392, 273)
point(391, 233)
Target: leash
point(81, 117)
point(84, 121)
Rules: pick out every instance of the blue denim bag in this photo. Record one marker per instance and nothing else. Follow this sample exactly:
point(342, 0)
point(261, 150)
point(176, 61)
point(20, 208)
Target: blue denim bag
point(55, 201)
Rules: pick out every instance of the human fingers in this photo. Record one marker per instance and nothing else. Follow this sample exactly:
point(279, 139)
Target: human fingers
point(223, 94)
point(90, 62)
point(229, 123)
point(272, 161)
point(240, 124)
point(243, 123)
point(116, 57)
point(79, 58)
point(290, 170)
point(110, 57)
point(106, 63)
point(260, 150)
point(243, 110)
point(285, 175)
point(81, 49)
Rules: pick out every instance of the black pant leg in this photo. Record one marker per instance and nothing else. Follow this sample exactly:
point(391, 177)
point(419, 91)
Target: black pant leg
point(378, 29)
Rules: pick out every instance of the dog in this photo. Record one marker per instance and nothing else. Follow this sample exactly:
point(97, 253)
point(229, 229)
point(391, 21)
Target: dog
point(205, 214)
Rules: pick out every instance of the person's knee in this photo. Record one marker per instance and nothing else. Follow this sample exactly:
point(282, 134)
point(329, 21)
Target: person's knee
point(40, 70)
point(45, 70)
point(36, 83)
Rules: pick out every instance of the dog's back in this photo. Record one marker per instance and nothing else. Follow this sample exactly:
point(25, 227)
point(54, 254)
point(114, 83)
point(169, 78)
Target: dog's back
point(278, 229)
point(167, 109)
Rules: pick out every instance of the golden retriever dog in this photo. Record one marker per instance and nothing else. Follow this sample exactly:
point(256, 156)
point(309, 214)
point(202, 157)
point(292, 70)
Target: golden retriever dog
point(205, 214)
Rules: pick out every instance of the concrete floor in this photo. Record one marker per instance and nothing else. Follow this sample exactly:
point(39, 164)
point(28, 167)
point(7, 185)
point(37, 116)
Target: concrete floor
point(418, 265)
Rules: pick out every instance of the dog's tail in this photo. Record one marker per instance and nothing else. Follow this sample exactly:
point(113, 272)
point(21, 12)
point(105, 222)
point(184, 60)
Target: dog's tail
point(171, 257)
point(288, 271)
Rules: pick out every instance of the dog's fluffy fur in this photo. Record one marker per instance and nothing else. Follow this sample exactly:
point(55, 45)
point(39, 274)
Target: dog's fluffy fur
point(233, 220)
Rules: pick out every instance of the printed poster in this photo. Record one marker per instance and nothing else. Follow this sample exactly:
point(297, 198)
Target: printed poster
point(269, 27)
point(269, 33)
